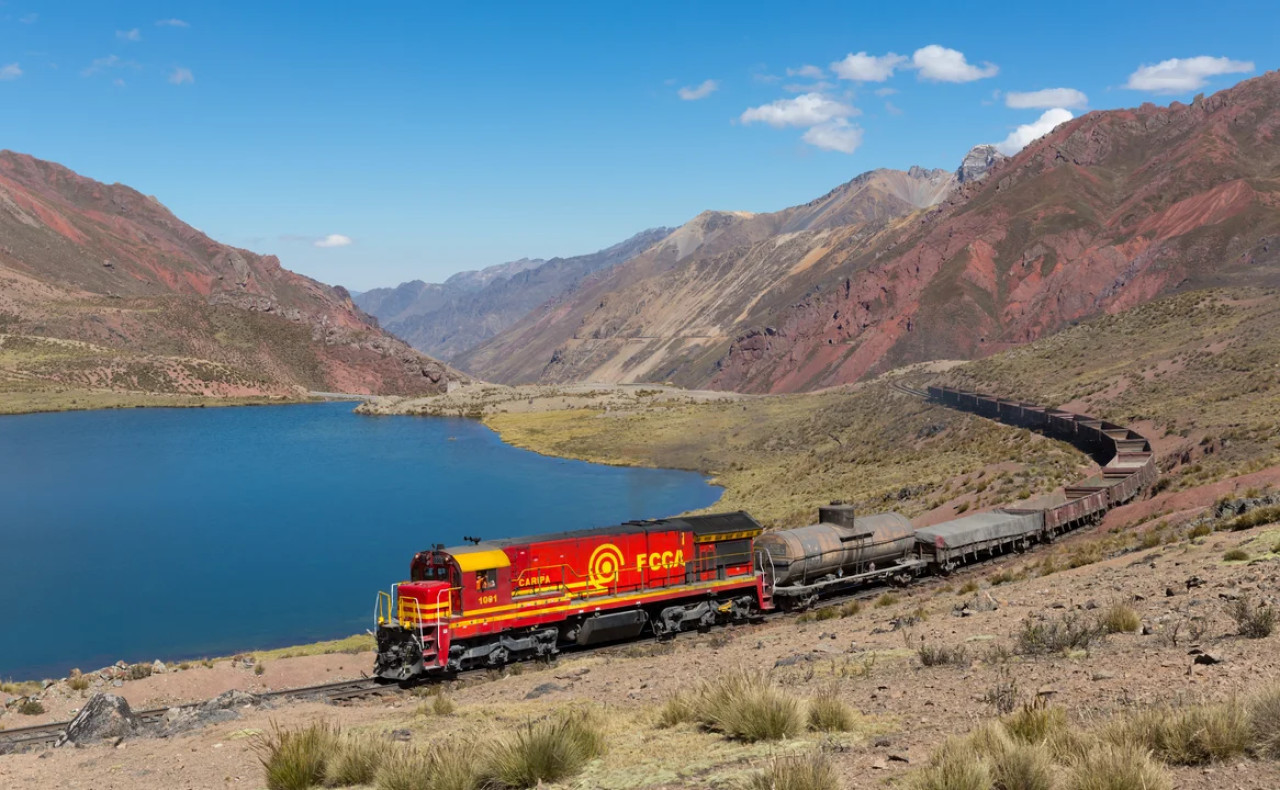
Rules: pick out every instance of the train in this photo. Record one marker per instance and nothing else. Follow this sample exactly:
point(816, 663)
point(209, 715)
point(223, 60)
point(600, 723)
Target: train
point(497, 601)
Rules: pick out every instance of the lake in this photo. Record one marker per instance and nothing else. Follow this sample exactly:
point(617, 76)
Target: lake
point(183, 533)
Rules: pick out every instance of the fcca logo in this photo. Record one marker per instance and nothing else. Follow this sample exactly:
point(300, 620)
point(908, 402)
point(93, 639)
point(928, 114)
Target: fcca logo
point(602, 569)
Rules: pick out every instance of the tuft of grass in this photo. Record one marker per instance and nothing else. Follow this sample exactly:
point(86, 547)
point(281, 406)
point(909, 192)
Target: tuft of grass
point(850, 609)
point(355, 760)
point(957, 765)
point(1058, 635)
point(677, 710)
point(139, 671)
point(31, 707)
point(1120, 619)
point(406, 769)
point(887, 599)
point(941, 655)
point(1236, 555)
point(1035, 723)
point(799, 772)
point(1264, 722)
point(1024, 766)
point(78, 682)
point(827, 613)
point(743, 705)
point(1191, 735)
point(296, 759)
point(829, 713)
point(1117, 767)
point(260, 669)
point(1252, 622)
point(544, 752)
point(968, 587)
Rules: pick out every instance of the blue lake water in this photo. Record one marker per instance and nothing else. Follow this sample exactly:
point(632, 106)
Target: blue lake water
point(183, 533)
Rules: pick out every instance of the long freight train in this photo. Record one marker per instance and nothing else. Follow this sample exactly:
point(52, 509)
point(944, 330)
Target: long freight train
point(506, 600)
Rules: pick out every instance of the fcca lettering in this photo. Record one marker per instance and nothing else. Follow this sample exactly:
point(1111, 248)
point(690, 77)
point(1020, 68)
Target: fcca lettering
point(660, 560)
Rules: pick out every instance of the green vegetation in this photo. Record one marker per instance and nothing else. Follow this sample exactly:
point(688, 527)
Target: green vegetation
point(31, 707)
point(295, 759)
point(941, 655)
point(742, 705)
point(1252, 622)
point(360, 643)
point(1236, 555)
point(355, 760)
point(829, 713)
point(547, 751)
point(1070, 631)
point(887, 599)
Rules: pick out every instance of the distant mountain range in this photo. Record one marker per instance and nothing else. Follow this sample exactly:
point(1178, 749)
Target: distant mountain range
point(446, 319)
point(1108, 211)
point(102, 287)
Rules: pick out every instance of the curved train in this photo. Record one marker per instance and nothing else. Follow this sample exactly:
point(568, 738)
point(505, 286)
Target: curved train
point(506, 600)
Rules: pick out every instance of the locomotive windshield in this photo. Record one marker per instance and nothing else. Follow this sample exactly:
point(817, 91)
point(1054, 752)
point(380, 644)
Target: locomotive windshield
point(425, 569)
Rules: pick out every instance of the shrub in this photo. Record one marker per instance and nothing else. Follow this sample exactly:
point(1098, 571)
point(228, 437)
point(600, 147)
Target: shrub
point(442, 705)
point(801, 772)
point(295, 759)
point(78, 682)
point(829, 713)
point(453, 766)
point(1264, 722)
point(31, 707)
point(355, 760)
point(850, 609)
point(888, 599)
point(675, 711)
point(544, 752)
point(139, 671)
point(1200, 531)
point(1120, 619)
point(957, 765)
point(1035, 723)
point(941, 655)
point(1085, 554)
point(1059, 635)
point(1193, 735)
point(1275, 549)
point(1236, 555)
point(1252, 622)
point(827, 613)
point(1113, 767)
point(1004, 577)
point(970, 586)
point(259, 669)
point(1003, 696)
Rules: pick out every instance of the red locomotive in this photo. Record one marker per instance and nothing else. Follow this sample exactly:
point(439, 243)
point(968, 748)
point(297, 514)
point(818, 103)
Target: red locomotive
point(505, 600)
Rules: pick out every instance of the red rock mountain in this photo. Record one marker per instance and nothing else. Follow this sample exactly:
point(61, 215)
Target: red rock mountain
point(154, 304)
point(1108, 211)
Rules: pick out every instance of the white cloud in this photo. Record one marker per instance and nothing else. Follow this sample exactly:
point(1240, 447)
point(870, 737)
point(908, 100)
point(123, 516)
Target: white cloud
point(1046, 99)
point(892, 108)
point(129, 35)
point(1028, 132)
point(886, 91)
point(809, 109)
point(10, 72)
point(181, 76)
point(812, 87)
point(702, 91)
point(1177, 75)
point(334, 240)
point(812, 72)
point(99, 65)
point(171, 23)
point(862, 67)
point(835, 135)
point(941, 64)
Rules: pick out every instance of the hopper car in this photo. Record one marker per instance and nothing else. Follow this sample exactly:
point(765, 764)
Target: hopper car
point(498, 601)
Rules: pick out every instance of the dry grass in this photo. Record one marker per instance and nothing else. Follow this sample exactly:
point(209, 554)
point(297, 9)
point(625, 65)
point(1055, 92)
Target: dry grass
point(942, 655)
point(1117, 767)
point(1070, 631)
point(741, 704)
point(1190, 735)
point(1120, 619)
point(1264, 722)
point(544, 752)
point(799, 772)
point(829, 713)
point(355, 760)
point(1252, 621)
point(296, 759)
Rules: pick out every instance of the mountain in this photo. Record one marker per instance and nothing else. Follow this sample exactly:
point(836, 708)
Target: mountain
point(449, 318)
point(673, 311)
point(1107, 211)
point(116, 292)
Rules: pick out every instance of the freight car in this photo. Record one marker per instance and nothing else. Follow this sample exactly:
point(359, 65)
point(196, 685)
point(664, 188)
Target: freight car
point(505, 600)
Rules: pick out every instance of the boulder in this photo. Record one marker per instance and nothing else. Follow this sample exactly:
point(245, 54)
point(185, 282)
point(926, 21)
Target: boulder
point(103, 716)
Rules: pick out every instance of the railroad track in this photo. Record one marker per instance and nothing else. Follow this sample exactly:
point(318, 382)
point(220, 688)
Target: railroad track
point(42, 735)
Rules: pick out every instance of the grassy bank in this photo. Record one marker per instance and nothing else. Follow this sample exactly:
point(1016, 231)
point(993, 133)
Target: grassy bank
point(21, 400)
point(781, 457)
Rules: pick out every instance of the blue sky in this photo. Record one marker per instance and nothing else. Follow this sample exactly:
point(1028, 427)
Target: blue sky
point(438, 137)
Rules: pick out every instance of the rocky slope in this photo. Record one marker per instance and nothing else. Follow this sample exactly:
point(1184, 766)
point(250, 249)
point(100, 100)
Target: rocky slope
point(449, 318)
point(129, 297)
point(1108, 211)
point(671, 312)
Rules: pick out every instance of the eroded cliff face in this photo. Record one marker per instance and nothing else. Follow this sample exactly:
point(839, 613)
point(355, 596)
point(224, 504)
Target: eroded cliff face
point(109, 267)
point(672, 312)
point(1105, 213)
